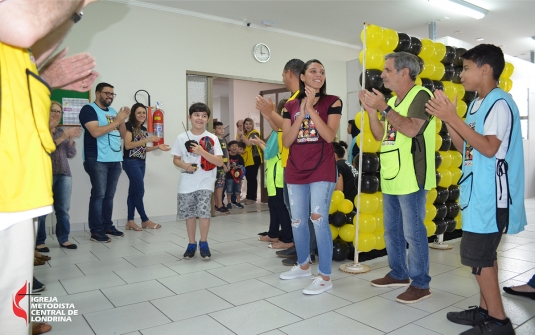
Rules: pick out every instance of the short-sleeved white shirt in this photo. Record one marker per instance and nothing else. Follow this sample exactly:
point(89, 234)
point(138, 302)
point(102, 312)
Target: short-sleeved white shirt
point(498, 123)
point(200, 179)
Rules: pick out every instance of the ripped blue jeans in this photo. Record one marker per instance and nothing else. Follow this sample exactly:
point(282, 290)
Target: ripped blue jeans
point(306, 200)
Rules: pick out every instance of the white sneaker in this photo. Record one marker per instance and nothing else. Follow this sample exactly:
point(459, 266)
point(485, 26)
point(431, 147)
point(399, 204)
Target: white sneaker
point(295, 272)
point(318, 286)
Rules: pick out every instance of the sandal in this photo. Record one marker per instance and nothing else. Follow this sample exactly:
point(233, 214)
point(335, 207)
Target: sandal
point(249, 202)
point(41, 257)
point(131, 225)
point(266, 238)
point(151, 225)
point(39, 328)
point(280, 245)
point(37, 261)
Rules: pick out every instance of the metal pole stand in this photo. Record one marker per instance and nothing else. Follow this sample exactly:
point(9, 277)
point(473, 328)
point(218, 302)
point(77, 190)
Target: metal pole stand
point(440, 244)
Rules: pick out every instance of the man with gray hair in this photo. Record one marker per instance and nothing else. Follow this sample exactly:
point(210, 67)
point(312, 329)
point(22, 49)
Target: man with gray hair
point(407, 172)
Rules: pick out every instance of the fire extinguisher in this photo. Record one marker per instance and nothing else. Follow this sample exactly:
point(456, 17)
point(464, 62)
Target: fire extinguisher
point(157, 123)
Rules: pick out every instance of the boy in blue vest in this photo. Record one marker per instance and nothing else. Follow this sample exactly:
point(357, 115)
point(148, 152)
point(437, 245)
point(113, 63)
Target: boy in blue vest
point(197, 152)
point(493, 165)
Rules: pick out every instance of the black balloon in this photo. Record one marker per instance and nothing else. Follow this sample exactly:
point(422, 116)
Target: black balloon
point(416, 46)
point(469, 96)
point(438, 85)
point(443, 129)
point(438, 176)
point(421, 63)
point(453, 209)
point(370, 162)
point(449, 71)
point(458, 61)
point(428, 83)
point(454, 193)
point(337, 219)
point(456, 78)
point(442, 194)
point(388, 95)
point(446, 142)
point(438, 160)
point(373, 79)
point(350, 216)
point(370, 183)
point(442, 210)
point(340, 250)
point(441, 226)
point(449, 57)
point(404, 43)
point(450, 225)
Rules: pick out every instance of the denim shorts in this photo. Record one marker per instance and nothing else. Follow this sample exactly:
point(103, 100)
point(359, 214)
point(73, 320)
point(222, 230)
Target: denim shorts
point(479, 250)
point(194, 204)
point(233, 187)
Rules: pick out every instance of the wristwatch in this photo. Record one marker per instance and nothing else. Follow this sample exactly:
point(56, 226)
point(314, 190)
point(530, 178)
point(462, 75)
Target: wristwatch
point(383, 113)
point(77, 17)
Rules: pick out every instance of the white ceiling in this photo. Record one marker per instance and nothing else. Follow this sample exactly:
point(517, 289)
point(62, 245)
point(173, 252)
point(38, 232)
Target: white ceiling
point(509, 22)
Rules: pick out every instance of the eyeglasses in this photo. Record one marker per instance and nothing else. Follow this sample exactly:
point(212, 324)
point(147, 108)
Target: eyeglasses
point(109, 94)
point(55, 111)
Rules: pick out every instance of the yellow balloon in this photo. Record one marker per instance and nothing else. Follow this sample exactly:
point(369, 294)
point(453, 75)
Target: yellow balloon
point(379, 240)
point(380, 198)
point(446, 159)
point(379, 221)
point(358, 118)
point(430, 212)
point(438, 126)
point(337, 196)
point(459, 220)
point(459, 91)
point(505, 84)
point(461, 107)
point(508, 70)
point(456, 158)
point(374, 59)
point(345, 206)
point(390, 40)
point(439, 71)
point(440, 51)
point(456, 174)
point(431, 196)
point(370, 144)
point(332, 207)
point(431, 228)
point(374, 36)
point(347, 232)
point(418, 81)
point(368, 203)
point(428, 49)
point(445, 180)
point(366, 242)
point(428, 70)
point(367, 223)
point(449, 90)
point(438, 142)
point(334, 231)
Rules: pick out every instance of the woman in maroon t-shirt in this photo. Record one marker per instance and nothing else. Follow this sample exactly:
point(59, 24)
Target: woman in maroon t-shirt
point(309, 127)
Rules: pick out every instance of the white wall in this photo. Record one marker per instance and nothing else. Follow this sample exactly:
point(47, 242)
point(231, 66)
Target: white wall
point(138, 48)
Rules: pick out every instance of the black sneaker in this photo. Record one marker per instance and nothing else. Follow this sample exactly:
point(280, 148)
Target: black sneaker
point(239, 205)
point(229, 206)
point(100, 238)
point(37, 286)
point(114, 232)
point(469, 317)
point(490, 326)
point(287, 253)
point(205, 250)
point(293, 261)
point(190, 251)
point(222, 209)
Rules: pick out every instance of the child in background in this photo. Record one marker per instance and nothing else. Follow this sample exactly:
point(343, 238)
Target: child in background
point(233, 183)
point(241, 150)
point(219, 130)
point(196, 152)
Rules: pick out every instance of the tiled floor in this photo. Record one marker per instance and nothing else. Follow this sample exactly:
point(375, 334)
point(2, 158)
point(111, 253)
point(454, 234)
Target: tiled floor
point(139, 284)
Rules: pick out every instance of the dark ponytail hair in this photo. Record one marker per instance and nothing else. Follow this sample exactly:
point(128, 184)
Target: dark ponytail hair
point(323, 89)
point(132, 118)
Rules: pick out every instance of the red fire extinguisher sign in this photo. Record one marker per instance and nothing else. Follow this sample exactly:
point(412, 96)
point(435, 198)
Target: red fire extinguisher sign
point(157, 123)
